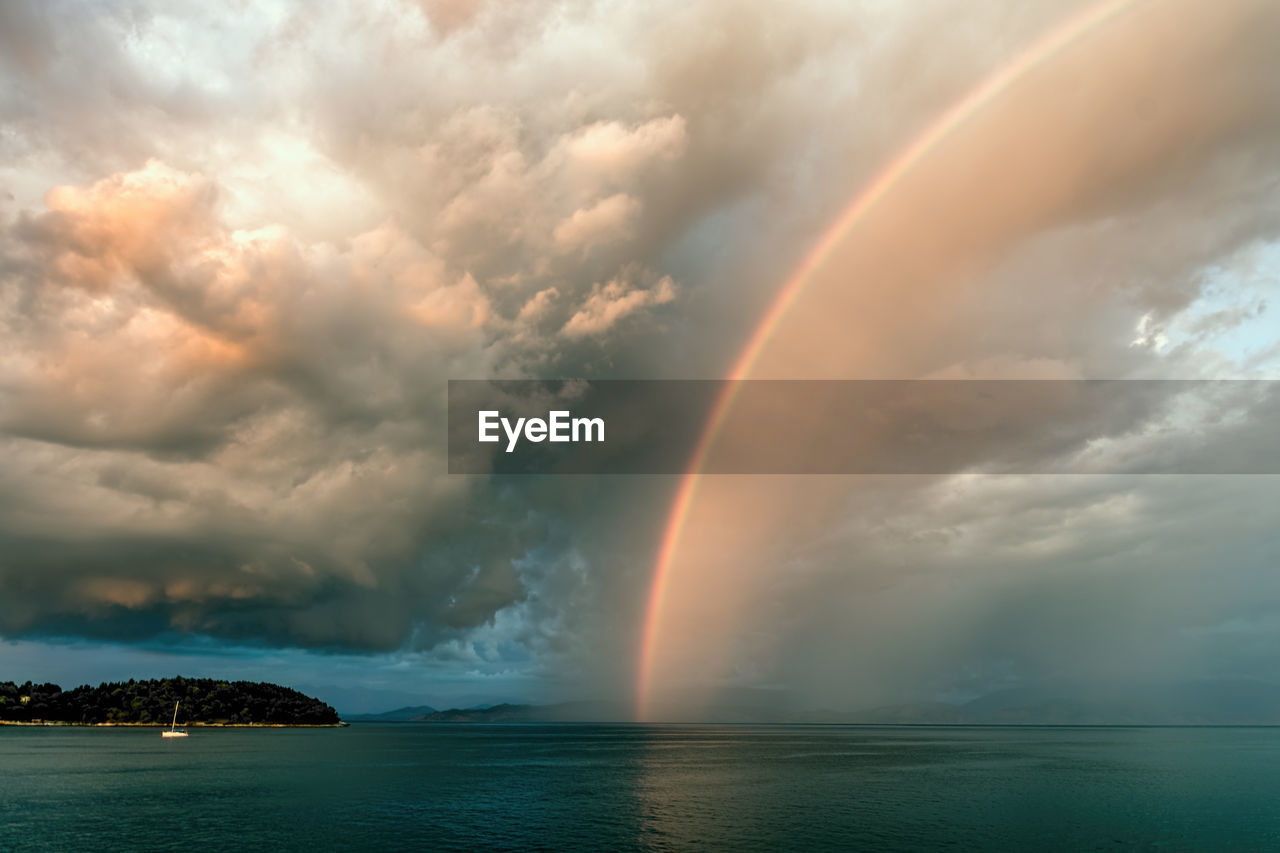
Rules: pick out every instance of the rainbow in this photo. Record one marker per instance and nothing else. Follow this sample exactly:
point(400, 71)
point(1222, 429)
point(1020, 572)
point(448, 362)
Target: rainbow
point(991, 88)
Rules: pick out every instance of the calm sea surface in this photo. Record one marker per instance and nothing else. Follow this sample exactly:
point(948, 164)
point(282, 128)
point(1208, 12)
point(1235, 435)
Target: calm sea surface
point(579, 787)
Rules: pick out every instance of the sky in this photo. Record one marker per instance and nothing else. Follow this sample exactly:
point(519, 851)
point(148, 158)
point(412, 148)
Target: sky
point(241, 254)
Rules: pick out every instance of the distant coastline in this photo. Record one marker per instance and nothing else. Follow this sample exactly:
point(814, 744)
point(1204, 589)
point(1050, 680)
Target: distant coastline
point(1214, 703)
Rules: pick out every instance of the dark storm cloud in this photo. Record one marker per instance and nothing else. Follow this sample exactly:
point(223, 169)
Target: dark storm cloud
point(222, 400)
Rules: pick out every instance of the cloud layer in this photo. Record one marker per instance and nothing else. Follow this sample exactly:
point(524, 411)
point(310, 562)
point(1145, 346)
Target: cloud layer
point(240, 257)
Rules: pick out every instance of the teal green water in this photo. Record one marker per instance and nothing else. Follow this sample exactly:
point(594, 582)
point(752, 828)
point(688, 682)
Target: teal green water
point(572, 787)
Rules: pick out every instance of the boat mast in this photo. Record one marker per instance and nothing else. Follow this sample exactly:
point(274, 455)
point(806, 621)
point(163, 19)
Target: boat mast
point(175, 717)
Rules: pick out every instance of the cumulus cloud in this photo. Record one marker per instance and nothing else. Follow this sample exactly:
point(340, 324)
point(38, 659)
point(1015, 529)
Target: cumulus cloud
point(610, 151)
point(229, 315)
point(608, 219)
point(538, 306)
point(224, 419)
point(613, 301)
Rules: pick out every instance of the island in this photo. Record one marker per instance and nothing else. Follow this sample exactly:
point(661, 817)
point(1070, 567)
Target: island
point(204, 702)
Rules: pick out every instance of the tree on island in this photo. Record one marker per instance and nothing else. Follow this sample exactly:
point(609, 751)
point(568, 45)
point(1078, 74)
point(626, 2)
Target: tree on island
point(204, 701)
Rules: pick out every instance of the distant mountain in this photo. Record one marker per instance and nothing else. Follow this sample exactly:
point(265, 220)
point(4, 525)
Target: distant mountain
point(504, 713)
point(1208, 702)
point(205, 701)
point(564, 712)
point(409, 713)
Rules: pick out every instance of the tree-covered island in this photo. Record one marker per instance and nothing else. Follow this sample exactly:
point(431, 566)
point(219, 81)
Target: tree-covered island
point(205, 702)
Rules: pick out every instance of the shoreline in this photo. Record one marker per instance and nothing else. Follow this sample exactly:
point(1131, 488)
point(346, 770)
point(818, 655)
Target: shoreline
point(56, 723)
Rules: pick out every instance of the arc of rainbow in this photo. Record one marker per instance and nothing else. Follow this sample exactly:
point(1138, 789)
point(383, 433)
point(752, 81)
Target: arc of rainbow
point(991, 88)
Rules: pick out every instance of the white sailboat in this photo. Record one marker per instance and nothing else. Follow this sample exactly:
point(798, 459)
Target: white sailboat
point(173, 730)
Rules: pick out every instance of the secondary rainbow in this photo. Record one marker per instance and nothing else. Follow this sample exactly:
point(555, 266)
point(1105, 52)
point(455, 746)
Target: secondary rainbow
point(999, 82)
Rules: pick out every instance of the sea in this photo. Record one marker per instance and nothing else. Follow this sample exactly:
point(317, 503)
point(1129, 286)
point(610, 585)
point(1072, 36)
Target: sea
point(567, 787)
